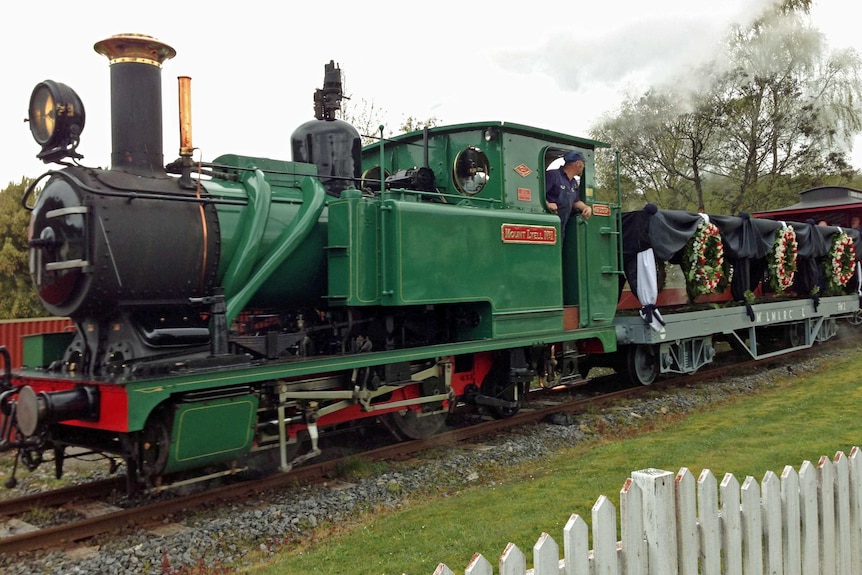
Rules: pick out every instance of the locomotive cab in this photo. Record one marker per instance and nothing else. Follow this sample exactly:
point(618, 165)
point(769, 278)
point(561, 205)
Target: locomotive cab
point(498, 170)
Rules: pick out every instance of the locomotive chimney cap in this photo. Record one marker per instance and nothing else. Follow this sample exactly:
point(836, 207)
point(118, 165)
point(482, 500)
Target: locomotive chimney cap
point(138, 48)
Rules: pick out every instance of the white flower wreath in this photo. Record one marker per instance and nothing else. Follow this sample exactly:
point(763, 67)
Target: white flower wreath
point(840, 263)
point(703, 260)
point(782, 259)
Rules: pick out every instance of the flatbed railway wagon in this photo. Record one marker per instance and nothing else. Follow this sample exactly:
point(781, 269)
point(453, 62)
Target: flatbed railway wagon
point(766, 287)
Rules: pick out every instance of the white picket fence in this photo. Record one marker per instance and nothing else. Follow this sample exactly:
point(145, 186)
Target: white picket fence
point(803, 523)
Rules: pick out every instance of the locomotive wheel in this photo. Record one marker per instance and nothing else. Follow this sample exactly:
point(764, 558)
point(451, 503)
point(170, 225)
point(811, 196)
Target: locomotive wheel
point(502, 388)
point(414, 424)
point(411, 425)
point(552, 374)
point(642, 364)
point(584, 367)
point(155, 444)
point(266, 461)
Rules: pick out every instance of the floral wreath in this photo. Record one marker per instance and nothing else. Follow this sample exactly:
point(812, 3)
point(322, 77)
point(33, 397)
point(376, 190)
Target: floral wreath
point(782, 259)
point(703, 261)
point(840, 263)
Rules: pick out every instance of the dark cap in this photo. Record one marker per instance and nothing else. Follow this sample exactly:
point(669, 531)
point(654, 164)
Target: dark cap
point(572, 157)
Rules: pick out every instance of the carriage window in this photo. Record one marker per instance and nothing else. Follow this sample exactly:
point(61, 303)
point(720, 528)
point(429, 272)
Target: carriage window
point(471, 170)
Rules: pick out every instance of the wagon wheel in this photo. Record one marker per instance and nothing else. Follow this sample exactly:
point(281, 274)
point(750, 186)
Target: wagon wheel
point(642, 364)
point(795, 334)
point(828, 329)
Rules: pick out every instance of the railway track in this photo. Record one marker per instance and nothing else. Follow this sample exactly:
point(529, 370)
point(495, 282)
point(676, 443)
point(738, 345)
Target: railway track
point(543, 403)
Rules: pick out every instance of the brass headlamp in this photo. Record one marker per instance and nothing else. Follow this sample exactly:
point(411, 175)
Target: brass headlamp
point(56, 120)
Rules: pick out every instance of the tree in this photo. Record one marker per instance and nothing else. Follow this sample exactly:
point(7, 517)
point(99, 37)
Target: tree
point(791, 111)
point(367, 118)
point(664, 147)
point(774, 116)
point(19, 298)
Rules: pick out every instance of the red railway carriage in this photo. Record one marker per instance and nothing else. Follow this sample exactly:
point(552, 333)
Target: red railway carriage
point(13, 332)
point(836, 205)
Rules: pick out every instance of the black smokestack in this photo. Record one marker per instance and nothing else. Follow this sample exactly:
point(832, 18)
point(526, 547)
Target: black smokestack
point(136, 102)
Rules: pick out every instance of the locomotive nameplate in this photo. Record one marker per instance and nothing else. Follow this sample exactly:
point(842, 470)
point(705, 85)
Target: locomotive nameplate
point(525, 194)
point(601, 210)
point(521, 234)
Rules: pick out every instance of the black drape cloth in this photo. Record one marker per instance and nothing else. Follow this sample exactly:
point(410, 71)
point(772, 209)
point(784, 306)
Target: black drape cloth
point(665, 231)
point(747, 241)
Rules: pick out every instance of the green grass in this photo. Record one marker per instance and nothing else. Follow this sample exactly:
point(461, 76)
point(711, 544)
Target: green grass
point(797, 418)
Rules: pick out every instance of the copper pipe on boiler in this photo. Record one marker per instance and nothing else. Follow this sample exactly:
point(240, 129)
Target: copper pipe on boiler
point(186, 148)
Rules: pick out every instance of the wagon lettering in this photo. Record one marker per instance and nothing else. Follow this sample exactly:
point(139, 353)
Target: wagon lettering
point(776, 316)
point(780, 315)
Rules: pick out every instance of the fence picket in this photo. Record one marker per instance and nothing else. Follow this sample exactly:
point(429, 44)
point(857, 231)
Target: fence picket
point(731, 525)
point(805, 523)
point(810, 528)
point(855, 511)
point(752, 527)
point(842, 513)
point(576, 546)
point(790, 522)
point(826, 508)
point(686, 522)
point(710, 527)
point(605, 538)
point(770, 493)
point(513, 561)
point(635, 557)
point(546, 556)
point(479, 566)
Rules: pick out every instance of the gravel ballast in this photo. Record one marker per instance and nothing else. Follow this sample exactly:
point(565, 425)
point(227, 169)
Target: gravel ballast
point(243, 533)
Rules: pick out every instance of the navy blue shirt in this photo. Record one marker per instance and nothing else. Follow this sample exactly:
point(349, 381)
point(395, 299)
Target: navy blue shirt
point(560, 190)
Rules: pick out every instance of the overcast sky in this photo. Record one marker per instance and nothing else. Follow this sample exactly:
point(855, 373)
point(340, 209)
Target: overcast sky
point(254, 69)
